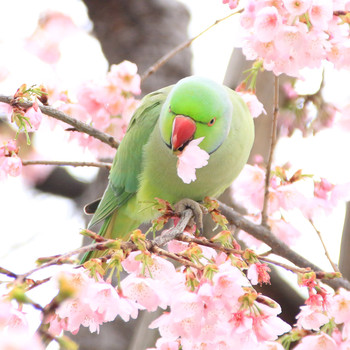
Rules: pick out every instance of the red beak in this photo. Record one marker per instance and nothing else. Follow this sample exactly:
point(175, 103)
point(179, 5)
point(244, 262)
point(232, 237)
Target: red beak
point(183, 130)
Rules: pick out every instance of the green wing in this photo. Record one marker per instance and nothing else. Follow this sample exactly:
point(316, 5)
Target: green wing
point(127, 164)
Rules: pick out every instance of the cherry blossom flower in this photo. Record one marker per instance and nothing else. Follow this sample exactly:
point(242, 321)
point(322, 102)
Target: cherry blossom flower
point(10, 166)
point(266, 24)
point(276, 33)
point(311, 317)
point(258, 273)
point(254, 105)
point(145, 291)
point(107, 104)
point(45, 42)
point(232, 3)
point(125, 75)
point(321, 13)
point(340, 306)
point(190, 159)
point(297, 7)
point(94, 303)
point(321, 342)
point(34, 115)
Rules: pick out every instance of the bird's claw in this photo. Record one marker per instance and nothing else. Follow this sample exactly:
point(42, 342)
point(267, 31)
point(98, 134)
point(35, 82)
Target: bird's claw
point(197, 209)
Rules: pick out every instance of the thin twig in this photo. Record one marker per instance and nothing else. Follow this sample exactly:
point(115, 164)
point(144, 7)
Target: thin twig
point(334, 266)
point(8, 273)
point(285, 266)
point(264, 212)
point(67, 163)
point(183, 261)
point(181, 47)
point(77, 124)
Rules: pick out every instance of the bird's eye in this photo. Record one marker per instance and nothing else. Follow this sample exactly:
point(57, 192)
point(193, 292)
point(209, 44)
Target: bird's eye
point(212, 122)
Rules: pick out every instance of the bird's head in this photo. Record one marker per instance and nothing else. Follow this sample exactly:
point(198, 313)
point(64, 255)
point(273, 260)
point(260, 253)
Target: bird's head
point(196, 107)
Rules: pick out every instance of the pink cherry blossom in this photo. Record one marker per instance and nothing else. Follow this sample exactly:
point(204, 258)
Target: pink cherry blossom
point(254, 105)
point(284, 230)
point(232, 3)
point(258, 273)
point(340, 306)
point(145, 291)
point(311, 317)
point(45, 42)
point(320, 342)
point(10, 166)
point(276, 33)
point(297, 7)
point(266, 24)
point(34, 115)
point(248, 188)
point(125, 76)
point(11, 316)
point(321, 12)
point(107, 104)
point(190, 159)
point(94, 303)
point(269, 345)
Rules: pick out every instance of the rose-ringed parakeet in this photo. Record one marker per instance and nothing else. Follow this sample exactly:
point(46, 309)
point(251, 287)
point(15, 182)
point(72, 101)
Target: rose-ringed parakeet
point(145, 165)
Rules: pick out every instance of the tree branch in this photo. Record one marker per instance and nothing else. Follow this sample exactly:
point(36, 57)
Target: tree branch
point(278, 247)
point(77, 124)
point(67, 163)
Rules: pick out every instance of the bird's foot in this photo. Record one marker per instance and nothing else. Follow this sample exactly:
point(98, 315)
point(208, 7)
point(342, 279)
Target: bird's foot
point(197, 209)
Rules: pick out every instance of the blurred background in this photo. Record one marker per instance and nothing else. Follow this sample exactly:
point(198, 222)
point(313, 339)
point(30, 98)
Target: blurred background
point(61, 44)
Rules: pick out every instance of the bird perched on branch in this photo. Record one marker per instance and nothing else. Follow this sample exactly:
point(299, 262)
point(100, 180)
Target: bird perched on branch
point(184, 142)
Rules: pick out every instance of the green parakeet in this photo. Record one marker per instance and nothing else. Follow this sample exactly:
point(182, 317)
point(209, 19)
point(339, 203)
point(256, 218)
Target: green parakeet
point(145, 165)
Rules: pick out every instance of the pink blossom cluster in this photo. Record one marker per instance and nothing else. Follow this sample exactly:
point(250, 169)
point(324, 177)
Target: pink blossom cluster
point(53, 28)
point(30, 117)
point(308, 113)
point(94, 302)
point(333, 309)
point(14, 332)
point(289, 35)
point(106, 105)
point(305, 194)
point(220, 310)
point(10, 163)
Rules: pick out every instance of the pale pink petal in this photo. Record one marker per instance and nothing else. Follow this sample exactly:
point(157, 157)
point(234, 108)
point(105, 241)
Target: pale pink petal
point(266, 24)
point(321, 13)
point(320, 342)
point(311, 318)
point(190, 159)
point(254, 105)
point(297, 7)
point(35, 116)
